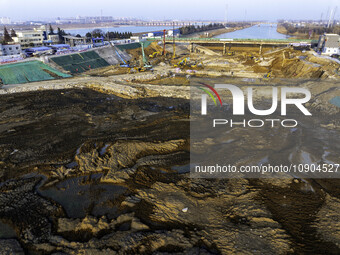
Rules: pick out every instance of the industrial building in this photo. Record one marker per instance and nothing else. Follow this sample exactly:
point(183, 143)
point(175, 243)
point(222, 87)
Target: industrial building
point(171, 32)
point(30, 37)
point(329, 44)
point(10, 50)
point(51, 39)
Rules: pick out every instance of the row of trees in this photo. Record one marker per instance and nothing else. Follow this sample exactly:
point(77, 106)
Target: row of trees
point(195, 29)
point(60, 32)
point(108, 35)
point(315, 30)
point(8, 36)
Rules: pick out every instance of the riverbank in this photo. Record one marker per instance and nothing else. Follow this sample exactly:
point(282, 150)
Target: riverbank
point(215, 32)
point(282, 30)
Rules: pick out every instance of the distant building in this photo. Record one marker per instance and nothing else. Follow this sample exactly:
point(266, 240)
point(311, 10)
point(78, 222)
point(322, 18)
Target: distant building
point(5, 21)
point(51, 39)
point(329, 44)
point(175, 32)
point(85, 20)
point(10, 50)
point(30, 37)
point(36, 51)
point(171, 32)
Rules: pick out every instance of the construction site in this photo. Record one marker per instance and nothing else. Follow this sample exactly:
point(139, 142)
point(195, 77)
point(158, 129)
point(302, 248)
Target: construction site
point(95, 153)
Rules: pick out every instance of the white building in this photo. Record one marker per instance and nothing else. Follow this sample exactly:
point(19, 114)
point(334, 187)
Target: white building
point(5, 20)
point(329, 44)
point(10, 50)
point(30, 37)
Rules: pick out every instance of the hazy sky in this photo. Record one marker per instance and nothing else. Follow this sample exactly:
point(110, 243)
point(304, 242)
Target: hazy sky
point(170, 9)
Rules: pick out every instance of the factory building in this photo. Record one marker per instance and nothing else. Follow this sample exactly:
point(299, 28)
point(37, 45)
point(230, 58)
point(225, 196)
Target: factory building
point(10, 50)
point(30, 37)
point(171, 32)
point(329, 44)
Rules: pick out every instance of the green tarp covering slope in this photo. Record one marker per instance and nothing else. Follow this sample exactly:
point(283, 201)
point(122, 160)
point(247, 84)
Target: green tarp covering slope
point(132, 46)
point(80, 62)
point(28, 72)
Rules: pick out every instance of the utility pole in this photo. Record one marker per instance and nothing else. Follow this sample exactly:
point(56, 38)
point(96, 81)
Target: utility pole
point(164, 42)
point(330, 18)
point(226, 15)
point(335, 9)
point(173, 40)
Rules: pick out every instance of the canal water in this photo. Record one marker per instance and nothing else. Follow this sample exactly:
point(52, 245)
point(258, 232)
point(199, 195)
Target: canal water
point(263, 31)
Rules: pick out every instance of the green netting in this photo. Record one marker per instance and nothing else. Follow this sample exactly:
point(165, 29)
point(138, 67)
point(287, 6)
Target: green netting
point(80, 62)
point(132, 46)
point(28, 72)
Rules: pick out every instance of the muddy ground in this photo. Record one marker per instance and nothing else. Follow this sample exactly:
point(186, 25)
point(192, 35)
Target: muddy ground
point(100, 166)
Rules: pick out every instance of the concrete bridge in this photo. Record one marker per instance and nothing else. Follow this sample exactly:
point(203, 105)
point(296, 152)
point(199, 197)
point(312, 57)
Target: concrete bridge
point(228, 43)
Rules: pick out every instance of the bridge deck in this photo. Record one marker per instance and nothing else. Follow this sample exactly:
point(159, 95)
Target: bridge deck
point(239, 41)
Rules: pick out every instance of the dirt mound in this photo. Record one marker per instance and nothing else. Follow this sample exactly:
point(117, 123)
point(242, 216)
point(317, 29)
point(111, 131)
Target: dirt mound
point(137, 53)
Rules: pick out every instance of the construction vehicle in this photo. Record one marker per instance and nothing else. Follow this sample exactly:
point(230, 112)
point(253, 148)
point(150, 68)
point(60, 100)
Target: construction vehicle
point(197, 64)
point(146, 64)
point(256, 60)
point(181, 63)
point(231, 53)
point(268, 75)
point(123, 64)
point(155, 54)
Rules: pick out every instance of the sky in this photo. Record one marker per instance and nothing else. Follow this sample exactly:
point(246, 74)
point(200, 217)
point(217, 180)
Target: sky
point(271, 10)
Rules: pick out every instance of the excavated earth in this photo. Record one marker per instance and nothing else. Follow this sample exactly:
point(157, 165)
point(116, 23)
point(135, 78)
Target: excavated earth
point(85, 170)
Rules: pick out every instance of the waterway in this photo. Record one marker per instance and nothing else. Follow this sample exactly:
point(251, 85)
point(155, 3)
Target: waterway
point(263, 31)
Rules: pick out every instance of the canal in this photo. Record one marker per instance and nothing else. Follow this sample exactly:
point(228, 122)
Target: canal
point(262, 31)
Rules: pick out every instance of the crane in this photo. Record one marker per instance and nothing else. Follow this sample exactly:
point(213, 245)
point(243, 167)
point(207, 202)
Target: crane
point(146, 64)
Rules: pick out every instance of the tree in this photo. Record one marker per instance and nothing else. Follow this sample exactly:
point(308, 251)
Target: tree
point(51, 30)
point(78, 35)
point(13, 34)
point(97, 33)
point(88, 35)
point(61, 34)
point(7, 37)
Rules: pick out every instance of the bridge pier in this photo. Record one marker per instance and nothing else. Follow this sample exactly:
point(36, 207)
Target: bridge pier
point(260, 49)
point(192, 48)
point(224, 49)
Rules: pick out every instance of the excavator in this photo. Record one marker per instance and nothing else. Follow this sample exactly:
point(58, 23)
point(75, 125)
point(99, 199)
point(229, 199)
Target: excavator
point(197, 64)
point(145, 64)
point(155, 54)
point(268, 75)
point(181, 63)
point(184, 63)
point(123, 64)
